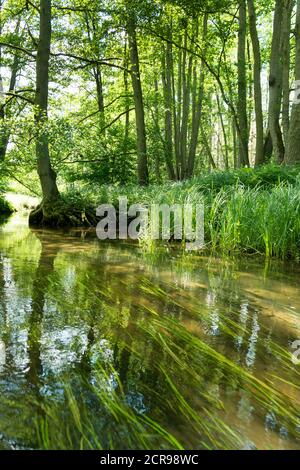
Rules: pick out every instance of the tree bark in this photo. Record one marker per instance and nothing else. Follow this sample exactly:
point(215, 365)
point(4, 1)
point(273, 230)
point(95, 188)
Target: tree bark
point(286, 62)
point(198, 111)
point(208, 149)
point(220, 112)
point(234, 143)
point(168, 104)
point(127, 116)
point(293, 153)
point(275, 84)
point(5, 134)
point(242, 87)
point(143, 175)
point(259, 121)
point(156, 111)
point(186, 99)
point(46, 174)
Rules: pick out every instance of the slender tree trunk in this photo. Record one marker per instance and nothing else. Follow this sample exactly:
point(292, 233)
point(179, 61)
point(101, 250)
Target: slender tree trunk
point(234, 144)
point(5, 134)
point(250, 88)
point(99, 87)
point(46, 174)
point(127, 116)
point(208, 149)
point(167, 88)
point(220, 112)
point(259, 121)
point(275, 84)
point(143, 175)
point(286, 62)
point(242, 87)
point(156, 111)
point(198, 111)
point(177, 107)
point(186, 90)
point(92, 26)
point(3, 131)
point(293, 153)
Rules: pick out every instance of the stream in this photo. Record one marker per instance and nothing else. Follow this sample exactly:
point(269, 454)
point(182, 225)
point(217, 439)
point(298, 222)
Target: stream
point(201, 346)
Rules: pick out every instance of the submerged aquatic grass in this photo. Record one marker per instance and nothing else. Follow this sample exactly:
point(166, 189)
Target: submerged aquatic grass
point(118, 350)
point(184, 361)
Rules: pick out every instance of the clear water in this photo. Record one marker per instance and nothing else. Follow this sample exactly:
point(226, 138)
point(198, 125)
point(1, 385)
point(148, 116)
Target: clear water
point(199, 345)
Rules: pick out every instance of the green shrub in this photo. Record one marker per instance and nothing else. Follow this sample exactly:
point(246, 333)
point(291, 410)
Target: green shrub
point(265, 176)
point(5, 207)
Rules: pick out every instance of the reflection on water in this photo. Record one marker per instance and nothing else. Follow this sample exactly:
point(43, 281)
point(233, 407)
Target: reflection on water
point(200, 346)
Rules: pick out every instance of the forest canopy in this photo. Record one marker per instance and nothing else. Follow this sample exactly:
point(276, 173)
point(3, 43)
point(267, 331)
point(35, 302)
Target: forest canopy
point(120, 92)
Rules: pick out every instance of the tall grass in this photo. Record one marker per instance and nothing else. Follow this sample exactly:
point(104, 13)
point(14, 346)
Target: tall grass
point(254, 220)
point(238, 219)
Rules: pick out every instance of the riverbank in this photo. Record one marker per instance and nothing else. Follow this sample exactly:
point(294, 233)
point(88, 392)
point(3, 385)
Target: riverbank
point(247, 211)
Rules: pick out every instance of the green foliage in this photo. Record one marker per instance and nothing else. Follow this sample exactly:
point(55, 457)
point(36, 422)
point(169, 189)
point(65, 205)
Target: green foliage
point(265, 177)
point(256, 221)
point(5, 207)
point(251, 211)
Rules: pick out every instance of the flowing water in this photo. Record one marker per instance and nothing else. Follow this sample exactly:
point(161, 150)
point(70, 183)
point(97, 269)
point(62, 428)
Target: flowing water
point(109, 344)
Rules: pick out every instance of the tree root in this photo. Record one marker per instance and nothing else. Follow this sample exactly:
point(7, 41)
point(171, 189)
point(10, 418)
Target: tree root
point(58, 213)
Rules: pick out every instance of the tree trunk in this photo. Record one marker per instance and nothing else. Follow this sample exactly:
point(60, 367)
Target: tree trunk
point(167, 88)
point(177, 105)
point(286, 61)
point(259, 121)
point(198, 111)
point(208, 149)
point(143, 175)
point(46, 174)
point(275, 84)
point(293, 153)
point(220, 112)
point(157, 126)
point(242, 87)
point(99, 87)
point(53, 210)
point(127, 117)
point(186, 90)
point(234, 144)
point(5, 134)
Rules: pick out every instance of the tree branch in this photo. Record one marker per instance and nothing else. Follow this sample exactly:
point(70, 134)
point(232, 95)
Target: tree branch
point(18, 48)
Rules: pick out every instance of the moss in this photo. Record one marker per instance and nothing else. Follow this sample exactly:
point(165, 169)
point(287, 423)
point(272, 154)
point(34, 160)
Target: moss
point(62, 213)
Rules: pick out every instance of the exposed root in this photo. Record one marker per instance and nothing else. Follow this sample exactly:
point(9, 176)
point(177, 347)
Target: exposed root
point(58, 213)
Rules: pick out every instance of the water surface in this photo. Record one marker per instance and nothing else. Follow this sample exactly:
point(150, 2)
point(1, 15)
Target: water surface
point(197, 350)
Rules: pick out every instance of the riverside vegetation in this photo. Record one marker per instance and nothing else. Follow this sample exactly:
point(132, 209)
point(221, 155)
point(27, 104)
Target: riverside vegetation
point(143, 345)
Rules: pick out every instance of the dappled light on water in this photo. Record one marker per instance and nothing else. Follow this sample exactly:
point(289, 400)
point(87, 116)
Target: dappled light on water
point(105, 345)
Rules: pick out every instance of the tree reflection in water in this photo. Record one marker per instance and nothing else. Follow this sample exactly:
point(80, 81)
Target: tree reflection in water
point(168, 350)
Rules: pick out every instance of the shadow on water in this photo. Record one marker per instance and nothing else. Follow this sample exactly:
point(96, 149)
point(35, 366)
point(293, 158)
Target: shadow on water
point(104, 345)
